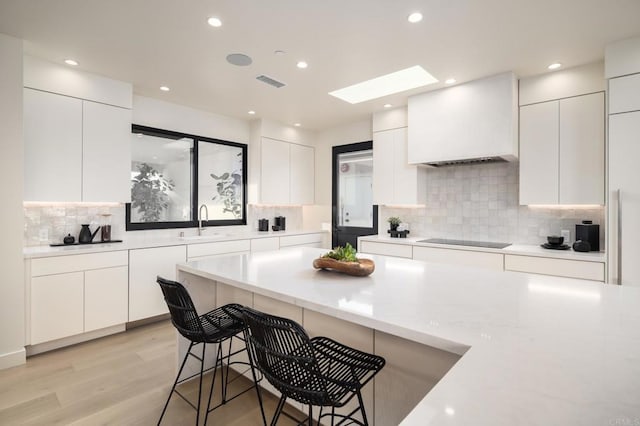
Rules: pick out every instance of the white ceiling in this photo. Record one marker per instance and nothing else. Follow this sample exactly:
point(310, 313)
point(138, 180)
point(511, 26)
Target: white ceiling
point(168, 42)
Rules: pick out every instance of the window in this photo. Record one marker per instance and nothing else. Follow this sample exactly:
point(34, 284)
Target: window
point(173, 174)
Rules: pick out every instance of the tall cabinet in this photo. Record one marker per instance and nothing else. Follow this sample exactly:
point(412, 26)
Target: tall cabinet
point(623, 230)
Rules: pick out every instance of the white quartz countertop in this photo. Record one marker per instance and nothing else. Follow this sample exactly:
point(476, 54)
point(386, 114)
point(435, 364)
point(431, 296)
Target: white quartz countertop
point(210, 236)
point(538, 350)
point(517, 249)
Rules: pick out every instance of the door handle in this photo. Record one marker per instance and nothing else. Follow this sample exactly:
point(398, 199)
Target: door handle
point(619, 191)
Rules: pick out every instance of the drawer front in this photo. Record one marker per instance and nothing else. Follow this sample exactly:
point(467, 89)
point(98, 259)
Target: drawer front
point(385, 249)
point(221, 247)
point(493, 261)
point(78, 262)
point(264, 244)
point(298, 240)
point(557, 267)
point(624, 94)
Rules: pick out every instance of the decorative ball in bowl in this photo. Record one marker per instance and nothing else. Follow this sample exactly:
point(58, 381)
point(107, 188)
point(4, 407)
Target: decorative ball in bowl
point(343, 259)
point(555, 240)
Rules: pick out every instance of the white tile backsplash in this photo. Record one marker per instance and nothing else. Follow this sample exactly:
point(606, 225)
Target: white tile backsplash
point(480, 202)
point(59, 220)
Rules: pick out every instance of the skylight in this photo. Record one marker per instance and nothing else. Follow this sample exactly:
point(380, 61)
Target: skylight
point(396, 82)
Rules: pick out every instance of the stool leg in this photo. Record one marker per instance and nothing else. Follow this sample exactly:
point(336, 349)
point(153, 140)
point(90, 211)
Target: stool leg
point(276, 415)
point(204, 347)
point(254, 375)
point(364, 414)
point(173, 388)
point(213, 380)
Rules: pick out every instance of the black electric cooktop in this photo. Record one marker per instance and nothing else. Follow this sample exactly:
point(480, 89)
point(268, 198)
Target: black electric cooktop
point(486, 244)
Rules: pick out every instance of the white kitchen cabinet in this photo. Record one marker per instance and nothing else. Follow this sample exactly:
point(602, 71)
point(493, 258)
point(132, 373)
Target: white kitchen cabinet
point(474, 120)
point(106, 153)
point(557, 267)
point(52, 147)
point(76, 294)
point(386, 249)
point(57, 306)
point(623, 216)
point(145, 297)
point(265, 244)
point(306, 240)
point(539, 153)
point(624, 94)
point(75, 150)
point(562, 151)
point(493, 261)
point(395, 181)
point(106, 297)
point(286, 173)
point(301, 179)
point(199, 251)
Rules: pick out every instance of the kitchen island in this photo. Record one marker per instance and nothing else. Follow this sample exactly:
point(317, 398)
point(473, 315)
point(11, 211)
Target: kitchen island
point(499, 348)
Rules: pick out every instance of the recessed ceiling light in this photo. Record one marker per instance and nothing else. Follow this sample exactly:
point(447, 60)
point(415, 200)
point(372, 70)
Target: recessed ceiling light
point(71, 62)
point(387, 105)
point(415, 17)
point(297, 124)
point(302, 64)
point(396, 82)
point(214, 22)
point(164, 88)
point(450, 81)
point(252, 112)
point(555, 66)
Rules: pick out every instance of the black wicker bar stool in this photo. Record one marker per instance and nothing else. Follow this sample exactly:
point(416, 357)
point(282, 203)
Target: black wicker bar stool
point(316, 372)
point(217, 326)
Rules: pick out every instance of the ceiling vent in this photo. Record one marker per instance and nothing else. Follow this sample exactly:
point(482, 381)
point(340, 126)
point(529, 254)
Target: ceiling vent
point(481, 160)
point(270, 81)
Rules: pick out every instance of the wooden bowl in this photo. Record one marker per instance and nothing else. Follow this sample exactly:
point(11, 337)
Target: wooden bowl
point(362, 268)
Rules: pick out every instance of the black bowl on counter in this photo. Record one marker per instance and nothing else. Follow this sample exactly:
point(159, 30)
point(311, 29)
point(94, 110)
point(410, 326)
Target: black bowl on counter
point(555, 240)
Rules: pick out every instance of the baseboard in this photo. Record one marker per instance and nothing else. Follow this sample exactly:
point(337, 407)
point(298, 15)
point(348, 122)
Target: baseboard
point(72, 340)
point(11, 359)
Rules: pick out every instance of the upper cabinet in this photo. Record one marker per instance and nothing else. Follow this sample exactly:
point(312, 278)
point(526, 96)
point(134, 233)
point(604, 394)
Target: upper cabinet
point(471, 121)
point(395, 181)
point(286, 172)
point(77, 132)
point(562, 151)
point(75, 150)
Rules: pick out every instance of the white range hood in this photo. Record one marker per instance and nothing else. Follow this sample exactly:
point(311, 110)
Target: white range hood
point(474, 122)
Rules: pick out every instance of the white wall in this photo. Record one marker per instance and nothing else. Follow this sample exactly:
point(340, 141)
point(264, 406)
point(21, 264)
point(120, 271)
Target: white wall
point(164, 115)
point(359, 131)
point(12, 314)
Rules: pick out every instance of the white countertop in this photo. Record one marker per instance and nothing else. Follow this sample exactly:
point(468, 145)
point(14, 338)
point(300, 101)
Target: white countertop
point(151, 241)
point(517, 249)
point(543, 350)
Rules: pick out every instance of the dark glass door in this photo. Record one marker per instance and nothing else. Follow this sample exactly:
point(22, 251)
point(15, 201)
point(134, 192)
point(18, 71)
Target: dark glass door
point(354, 214)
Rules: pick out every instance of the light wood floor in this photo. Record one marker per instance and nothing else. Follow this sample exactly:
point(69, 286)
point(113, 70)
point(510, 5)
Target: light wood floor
point(122, 379)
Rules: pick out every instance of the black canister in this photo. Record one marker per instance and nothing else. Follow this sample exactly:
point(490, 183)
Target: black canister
point(587, 231)
point(263, 224)
point(280, 222)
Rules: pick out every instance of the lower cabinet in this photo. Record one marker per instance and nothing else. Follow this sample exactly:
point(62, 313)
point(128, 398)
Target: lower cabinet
point(200, 251)
point(106, 296)
point(145, 297)
point(386, 249)
point(557, 267)
point(76, 294)
point(493, 261)
point(304, 240)
point(265, 244)
point(57, 306)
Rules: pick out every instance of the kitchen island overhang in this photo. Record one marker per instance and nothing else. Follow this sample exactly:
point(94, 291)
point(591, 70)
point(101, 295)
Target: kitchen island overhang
point(542, 349)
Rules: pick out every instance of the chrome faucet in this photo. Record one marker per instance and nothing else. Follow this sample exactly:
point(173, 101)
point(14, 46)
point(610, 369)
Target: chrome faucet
point(206, 210)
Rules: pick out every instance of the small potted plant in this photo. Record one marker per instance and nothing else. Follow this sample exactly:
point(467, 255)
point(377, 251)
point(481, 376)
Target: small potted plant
point(394, 222)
